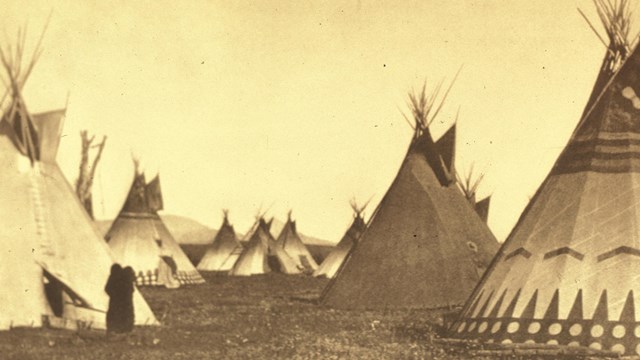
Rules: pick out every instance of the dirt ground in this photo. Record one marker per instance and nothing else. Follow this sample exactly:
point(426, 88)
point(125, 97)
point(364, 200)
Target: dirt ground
point(262, 317)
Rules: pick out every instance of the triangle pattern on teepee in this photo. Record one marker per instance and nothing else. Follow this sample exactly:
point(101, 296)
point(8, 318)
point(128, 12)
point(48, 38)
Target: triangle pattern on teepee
point(581, 234)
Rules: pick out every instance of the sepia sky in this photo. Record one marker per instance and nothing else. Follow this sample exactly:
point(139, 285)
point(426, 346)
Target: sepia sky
point(289, 104)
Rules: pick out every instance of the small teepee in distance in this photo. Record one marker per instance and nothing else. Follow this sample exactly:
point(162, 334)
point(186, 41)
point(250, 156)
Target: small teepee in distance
point(254, 259)
point(50, 245)
point(469, 186)
point(424, 247)
point(292, 244)
point(224, 250)
point(261, 254)
point(568, 272)
point(139, 238)
point(336, 257)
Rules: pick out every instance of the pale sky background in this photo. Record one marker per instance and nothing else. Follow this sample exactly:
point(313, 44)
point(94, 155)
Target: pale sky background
point(297, 104)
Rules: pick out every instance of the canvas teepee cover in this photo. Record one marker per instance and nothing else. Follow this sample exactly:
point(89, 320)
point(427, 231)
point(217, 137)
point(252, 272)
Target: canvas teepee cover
point(224, 250)
point(568, 272)
point(469, 186)
point(138, 237)
point(261, 255)
point(332, 262)
point(292, 244)
point(424, 246)
point(61, 261)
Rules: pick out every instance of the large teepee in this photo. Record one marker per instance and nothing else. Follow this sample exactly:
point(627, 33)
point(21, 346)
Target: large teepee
point(568, 272)
point(332, 262)
point(224, 251)
point(55, 264)
point(139, 238)
point(261, 255)
point(292, 244)
point(424, 246)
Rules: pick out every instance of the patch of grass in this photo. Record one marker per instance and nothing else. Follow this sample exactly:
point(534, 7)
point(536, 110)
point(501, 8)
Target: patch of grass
point(263, 317)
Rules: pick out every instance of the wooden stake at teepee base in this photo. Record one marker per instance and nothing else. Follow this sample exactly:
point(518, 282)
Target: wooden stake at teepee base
point(86, 171)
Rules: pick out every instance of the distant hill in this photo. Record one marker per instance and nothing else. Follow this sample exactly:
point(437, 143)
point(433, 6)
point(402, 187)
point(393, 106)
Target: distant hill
point(183, 229)
point(276, 228)
point(189, 231)
point(194, 237)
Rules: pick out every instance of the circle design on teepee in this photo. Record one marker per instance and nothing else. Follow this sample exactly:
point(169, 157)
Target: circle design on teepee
point(638, 349)
point(573, 343)
point(575, 329)
point(618, 331)
point(513, 327)
point(636, 331)
point(596, 345)
point(483, 327)
point(496, 327)
point(529, 341)
point(534, 327)
point(462, 326)
point(552, 342)
point(555, 329)
point(471, 327)
point(619, 348)
point(507, 341)
point(597, 331)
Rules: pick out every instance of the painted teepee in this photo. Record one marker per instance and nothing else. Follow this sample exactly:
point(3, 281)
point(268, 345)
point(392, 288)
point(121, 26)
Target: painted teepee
point(336, 257)
point(568, 272)
point(289, 240)
point(424, 247)
point(224, 250)
point(261, 255)
point(54, 264)
point(139, 238)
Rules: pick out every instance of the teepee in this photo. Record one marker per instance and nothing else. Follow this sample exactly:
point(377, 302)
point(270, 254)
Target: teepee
point(55, 265)
point(139, 238)
point(469, 187)
point(424, 247)
point(224, 250)
point(261, 255)
point(332, 262)
point(292, 244)
point(568, 272)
